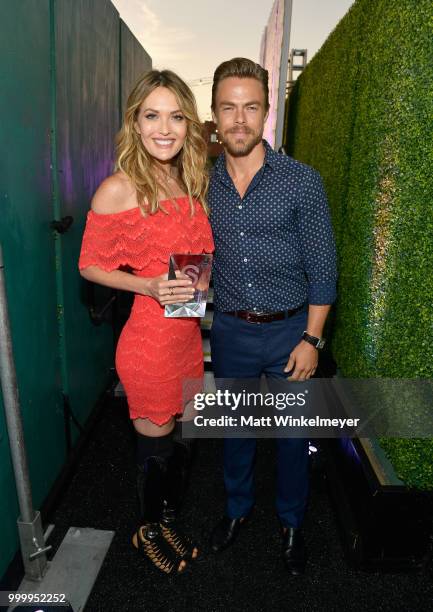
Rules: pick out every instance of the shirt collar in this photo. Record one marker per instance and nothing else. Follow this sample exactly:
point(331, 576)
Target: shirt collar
point(271, 156)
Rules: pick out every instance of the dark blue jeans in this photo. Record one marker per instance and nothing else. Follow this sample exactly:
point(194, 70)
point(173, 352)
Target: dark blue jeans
point(248, 350)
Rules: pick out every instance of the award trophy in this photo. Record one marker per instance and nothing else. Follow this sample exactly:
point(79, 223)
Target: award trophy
point(198, 268)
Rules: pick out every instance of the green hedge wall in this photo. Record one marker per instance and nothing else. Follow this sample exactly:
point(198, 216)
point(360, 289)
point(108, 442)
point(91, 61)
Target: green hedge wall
point(361, 113)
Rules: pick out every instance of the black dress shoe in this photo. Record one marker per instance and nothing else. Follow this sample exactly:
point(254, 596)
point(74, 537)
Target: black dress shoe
point(225, 533)
point(294, 553)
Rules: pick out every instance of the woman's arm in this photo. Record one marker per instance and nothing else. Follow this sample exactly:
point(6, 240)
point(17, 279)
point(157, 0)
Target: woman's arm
point(158, 287)
point(116, 195)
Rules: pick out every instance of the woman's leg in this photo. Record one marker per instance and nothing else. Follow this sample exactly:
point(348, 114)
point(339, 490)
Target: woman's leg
point(147, 428)
point(177, 472)
point(178, 467)
point(154, 449)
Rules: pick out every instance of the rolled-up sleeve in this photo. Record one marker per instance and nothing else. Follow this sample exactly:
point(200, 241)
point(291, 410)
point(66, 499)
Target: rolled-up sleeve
point(317, 241)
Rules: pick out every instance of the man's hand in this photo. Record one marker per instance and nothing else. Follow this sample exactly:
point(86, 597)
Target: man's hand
point(304, 359)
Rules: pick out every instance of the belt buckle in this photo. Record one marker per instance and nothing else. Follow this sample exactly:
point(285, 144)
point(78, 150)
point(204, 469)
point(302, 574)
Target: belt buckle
point(257, 313)
point(249, 317)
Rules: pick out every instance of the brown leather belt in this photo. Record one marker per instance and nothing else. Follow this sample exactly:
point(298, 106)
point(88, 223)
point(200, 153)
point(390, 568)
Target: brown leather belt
point(263, 317)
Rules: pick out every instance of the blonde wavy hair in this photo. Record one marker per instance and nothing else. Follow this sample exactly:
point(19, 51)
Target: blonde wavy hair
point(191, 161)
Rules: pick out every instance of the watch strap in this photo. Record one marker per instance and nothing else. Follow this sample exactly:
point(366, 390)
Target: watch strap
point(318, 343)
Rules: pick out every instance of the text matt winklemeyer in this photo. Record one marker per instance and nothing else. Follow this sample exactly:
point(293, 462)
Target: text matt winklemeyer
point(273, 421)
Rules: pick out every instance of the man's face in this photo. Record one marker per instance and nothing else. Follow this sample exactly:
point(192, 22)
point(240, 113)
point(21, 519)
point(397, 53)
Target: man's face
point(240, 114)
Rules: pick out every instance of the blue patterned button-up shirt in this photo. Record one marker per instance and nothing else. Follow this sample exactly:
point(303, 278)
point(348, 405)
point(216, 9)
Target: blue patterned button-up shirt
point(274, 248)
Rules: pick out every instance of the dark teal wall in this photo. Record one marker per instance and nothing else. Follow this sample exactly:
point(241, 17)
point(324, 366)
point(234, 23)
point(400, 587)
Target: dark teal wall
point(61, 74)
point(134, 62)
point(26, 212)
point(87, 119)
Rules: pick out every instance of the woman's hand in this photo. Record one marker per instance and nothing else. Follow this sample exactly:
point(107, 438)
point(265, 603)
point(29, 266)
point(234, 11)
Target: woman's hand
point(169, 291)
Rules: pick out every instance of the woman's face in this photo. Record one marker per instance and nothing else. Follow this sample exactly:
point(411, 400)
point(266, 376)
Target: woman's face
point(161, 124)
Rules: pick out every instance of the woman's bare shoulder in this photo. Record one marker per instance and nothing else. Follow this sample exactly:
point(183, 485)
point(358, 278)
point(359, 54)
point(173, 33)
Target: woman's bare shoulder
point(115, 194)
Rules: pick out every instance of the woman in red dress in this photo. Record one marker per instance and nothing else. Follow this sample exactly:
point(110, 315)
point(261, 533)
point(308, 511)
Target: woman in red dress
point(152, 206)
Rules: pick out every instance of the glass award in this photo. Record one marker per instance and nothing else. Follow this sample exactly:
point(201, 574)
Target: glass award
point(198, 268)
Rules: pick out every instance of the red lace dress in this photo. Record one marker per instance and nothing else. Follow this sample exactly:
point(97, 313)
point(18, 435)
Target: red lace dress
point(154, 355)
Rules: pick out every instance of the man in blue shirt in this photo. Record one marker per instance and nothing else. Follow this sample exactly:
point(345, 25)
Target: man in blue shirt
point(274, 281)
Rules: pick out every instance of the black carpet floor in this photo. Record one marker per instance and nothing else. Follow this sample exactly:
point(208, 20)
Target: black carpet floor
point(248, 576)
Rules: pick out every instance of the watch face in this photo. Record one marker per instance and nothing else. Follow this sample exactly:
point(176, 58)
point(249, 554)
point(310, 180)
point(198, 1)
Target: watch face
point(321, 344)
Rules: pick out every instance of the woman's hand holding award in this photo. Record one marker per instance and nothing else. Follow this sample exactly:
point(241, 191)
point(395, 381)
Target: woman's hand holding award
point(198, 268)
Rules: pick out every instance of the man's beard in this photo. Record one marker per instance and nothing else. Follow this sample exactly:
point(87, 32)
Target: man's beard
point(241, 150)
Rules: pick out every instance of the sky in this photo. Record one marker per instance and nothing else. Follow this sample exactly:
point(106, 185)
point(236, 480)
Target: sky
point(194, 36)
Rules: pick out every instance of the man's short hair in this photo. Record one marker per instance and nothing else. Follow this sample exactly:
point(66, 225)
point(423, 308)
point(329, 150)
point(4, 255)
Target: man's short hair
point(244, 69)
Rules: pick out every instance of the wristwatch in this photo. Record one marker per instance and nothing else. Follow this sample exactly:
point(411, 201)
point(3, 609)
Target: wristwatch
point(318, 343)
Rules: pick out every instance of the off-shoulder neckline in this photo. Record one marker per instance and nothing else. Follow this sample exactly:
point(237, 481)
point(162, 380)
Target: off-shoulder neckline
point(128, 210)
